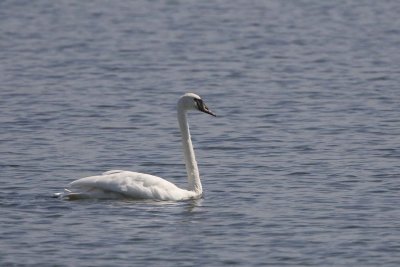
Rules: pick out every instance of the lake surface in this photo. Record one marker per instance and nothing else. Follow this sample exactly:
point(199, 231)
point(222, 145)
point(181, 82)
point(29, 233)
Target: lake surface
point(300, 168)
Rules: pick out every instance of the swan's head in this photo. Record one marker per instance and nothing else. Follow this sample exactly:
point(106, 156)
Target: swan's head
point(191, 101)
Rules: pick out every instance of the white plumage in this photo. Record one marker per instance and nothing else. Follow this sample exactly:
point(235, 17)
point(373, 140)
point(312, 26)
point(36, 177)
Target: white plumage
point(120, 184)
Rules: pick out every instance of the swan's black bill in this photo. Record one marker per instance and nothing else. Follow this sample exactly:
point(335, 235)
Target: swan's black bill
point(202, 107)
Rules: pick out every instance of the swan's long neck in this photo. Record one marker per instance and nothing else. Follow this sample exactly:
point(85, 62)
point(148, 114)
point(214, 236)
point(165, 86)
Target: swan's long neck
point(190, 159)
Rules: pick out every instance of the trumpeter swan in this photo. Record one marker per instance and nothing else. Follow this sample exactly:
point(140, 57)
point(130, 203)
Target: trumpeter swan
point(126, 184)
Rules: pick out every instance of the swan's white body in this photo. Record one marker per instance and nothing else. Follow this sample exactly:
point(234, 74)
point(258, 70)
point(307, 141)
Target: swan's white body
point(126, 184)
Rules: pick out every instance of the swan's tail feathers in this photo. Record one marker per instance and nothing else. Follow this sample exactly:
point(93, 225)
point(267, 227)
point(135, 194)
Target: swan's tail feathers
point(57, 195)
point(61, 194)
point(86, 193)
point(69, 195)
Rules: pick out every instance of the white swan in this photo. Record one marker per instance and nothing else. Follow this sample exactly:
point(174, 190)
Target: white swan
point(126, 184)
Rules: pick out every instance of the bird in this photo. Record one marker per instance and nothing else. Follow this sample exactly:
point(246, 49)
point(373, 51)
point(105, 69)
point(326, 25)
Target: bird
point(116, 184)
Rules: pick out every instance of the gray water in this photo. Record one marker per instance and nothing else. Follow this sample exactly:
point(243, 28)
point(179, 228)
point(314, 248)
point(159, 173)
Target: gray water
point(300, 168)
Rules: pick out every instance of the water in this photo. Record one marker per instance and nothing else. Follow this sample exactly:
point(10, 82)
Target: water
point(300, 168)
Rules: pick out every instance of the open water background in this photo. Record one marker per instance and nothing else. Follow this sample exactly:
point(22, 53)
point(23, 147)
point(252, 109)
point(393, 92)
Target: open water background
point(300, 168)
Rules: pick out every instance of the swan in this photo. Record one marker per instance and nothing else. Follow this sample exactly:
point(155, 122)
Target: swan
point(127, 184)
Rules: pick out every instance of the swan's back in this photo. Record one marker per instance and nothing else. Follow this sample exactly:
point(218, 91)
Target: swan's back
point(127, 184)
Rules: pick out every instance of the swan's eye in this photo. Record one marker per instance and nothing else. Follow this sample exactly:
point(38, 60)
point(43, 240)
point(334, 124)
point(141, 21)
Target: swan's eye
point(199, 102)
